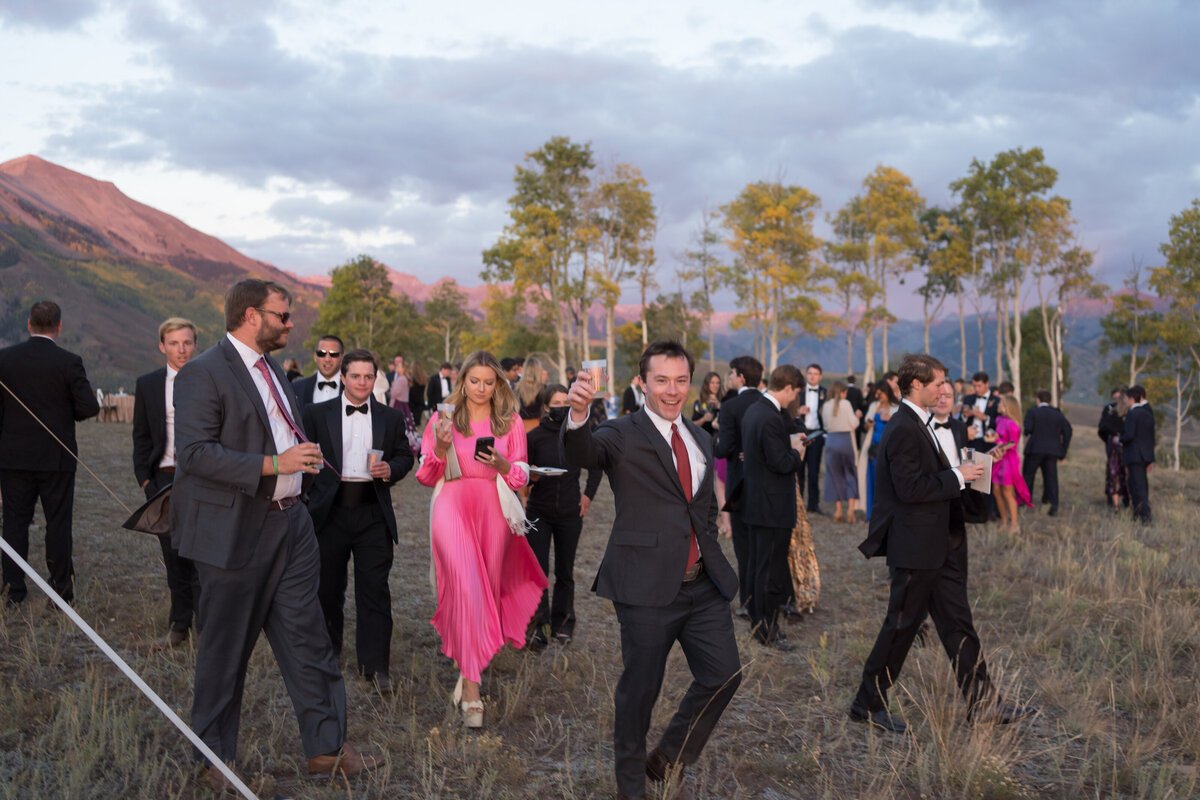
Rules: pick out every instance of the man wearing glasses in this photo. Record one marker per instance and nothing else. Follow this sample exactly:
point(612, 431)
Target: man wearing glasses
point(326, 383)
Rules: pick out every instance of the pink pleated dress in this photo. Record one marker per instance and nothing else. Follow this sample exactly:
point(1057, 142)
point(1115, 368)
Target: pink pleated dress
point(489, 582)
point(1007, 471)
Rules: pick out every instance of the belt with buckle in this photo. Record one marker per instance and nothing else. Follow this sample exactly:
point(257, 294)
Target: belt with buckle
point(285, 503)
point(694, 572)
point(168, 470)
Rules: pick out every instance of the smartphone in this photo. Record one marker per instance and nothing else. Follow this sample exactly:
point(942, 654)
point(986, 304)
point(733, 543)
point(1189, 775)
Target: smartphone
point(484, 444)
point(812, 437)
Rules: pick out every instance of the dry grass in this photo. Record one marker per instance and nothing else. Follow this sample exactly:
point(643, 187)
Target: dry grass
point(1087, 616)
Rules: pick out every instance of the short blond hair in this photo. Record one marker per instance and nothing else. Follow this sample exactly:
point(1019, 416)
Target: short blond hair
point(176, 324)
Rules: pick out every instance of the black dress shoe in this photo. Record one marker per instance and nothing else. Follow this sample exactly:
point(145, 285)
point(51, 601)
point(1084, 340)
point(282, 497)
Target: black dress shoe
point(1000, 713)
point(381, 681)
point(879, 719)
point(659, 768)
point(538, 641)
point(170, 641)
point(1053, 512)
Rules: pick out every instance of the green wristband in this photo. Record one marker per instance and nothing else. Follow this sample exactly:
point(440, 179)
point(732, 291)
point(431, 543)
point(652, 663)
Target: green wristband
point(275, 463)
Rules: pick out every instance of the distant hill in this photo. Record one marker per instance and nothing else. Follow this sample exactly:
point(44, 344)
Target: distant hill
point(116, 266)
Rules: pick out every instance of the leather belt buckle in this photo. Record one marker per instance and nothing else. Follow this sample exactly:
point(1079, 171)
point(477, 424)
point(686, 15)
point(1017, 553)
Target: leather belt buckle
point(695, 572)
point(285, 503)
point(168, 470)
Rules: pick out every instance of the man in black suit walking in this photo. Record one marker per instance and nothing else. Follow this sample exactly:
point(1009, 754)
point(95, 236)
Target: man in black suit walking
point(440, 386)
point(1137, 450)
point(351, 507)
point(769, 495)
point(40, 378)
point(811, 401)
point(745, 374)
point(980, 410)
point(920, 529)
point(1048, 435)
point(154, 464)
point(242, 464)
point(663, 568)
point(326, 382)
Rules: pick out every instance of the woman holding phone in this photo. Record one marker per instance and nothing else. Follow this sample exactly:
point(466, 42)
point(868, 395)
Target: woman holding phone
point(489, 582)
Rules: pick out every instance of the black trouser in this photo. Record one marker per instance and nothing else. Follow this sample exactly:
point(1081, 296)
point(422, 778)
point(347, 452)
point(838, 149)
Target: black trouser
point(771, 579)
point(699, 619)
point(741, 552)
point(276, 593)
point(1049, 466)
point(182, 582)
point(359, 531)
point(811, 487)
point(1139, 491)
point(558, 612)
point(21, 490)
point(942, 594)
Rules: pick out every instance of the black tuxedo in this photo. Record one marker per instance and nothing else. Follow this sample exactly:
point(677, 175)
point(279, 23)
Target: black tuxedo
point(1048, 435)
point(357, 518)
point(629, 400)
point(149, 446)
point(813, 453)
point(991, 411)
point(53, 384)
point(434, 394)
point(728, 445)
point(642, 573)
point(855, 396)
point(1137, 452)
point(917, 523)
point(769, 495)
point(305, 387)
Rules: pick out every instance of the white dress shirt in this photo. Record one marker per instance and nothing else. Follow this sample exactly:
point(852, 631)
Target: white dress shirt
point(812, 399)
point(924, 416)
point(945, 438)
point(168, 459)
point(356, 441)
point(281, 432)
point(695, 454)
point(323, 393)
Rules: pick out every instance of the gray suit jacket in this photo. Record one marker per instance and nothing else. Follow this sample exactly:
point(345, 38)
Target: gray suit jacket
point(222, 431)
point(648, 548)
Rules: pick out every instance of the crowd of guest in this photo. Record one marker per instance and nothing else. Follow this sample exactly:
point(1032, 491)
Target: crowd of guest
point(299, 470)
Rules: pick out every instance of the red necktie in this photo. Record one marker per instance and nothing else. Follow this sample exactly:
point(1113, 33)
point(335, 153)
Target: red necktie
point(683, 466)
point(261, 366)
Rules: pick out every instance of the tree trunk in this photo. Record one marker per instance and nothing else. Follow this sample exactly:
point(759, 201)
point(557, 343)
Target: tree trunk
point(869, 354)
point(610, 343)
point(962, 335)
point(1001, 338)
point(884, 342)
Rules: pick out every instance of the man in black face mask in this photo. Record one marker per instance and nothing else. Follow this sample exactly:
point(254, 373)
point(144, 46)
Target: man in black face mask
point(557, 510)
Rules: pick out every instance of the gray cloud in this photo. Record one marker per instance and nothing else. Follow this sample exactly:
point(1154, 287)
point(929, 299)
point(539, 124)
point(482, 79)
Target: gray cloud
point(1110, 93)
point(48, 14)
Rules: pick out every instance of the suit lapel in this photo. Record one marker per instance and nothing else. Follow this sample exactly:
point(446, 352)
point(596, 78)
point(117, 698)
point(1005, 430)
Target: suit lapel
point(377, 423)
point(642, 420)
point(242, 376)
point(159, 411)
point(706, 450)
point(333, 421)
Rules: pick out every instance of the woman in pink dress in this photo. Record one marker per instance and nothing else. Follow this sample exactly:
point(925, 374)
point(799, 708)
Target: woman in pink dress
point(1007, 483)
point(489, 582)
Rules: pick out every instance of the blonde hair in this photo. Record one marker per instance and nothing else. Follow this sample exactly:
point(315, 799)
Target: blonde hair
point(177, 324)
point(504, 404)
point(1011, 407)
point(529, 388)
point(837, 393)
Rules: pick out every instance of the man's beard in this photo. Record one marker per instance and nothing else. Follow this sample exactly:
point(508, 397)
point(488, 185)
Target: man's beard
point(270, 339)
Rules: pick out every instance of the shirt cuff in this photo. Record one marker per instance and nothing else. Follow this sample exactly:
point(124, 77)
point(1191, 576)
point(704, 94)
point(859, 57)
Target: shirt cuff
point(572, 425)
point(961, 483)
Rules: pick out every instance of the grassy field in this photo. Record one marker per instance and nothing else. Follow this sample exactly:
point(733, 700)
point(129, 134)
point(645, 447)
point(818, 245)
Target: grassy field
point(1089, 617)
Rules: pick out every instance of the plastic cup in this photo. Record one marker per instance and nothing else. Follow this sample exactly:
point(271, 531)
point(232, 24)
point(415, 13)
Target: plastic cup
point(445, 410)
point(598, 370)
point(373, 458)
point(968, 455)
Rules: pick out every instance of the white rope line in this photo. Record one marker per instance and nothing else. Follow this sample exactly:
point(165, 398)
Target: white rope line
point(129, 673)
point(98, 640)
point(38, 420)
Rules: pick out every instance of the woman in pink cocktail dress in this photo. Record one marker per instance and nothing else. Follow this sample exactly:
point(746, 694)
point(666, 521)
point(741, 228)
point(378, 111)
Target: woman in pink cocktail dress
point(489, 582)
point(1007, 483)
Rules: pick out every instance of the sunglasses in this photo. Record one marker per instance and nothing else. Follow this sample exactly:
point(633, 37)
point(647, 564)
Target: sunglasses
point(328, 353)
point(284, 316)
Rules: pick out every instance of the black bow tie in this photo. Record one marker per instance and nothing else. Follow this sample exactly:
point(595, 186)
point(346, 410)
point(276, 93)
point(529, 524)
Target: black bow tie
point(937, 425)
point(323, 384)
point(351, 409)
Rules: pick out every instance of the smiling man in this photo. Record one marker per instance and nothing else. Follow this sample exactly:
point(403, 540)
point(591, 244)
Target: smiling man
point(326, 382)
point(663, 568)
point(154, 463)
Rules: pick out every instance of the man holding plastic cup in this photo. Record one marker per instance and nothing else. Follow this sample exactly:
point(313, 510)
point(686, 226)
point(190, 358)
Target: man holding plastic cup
point(365, 443)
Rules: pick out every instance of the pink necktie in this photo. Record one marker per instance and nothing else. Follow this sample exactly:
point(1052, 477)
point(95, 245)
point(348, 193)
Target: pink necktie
point(261, 366)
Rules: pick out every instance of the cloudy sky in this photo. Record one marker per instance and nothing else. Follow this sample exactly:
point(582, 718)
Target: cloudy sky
point(304, 133)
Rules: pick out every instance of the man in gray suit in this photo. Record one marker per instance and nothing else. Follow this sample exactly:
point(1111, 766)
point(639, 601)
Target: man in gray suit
point(663, 568)
point(241, 465)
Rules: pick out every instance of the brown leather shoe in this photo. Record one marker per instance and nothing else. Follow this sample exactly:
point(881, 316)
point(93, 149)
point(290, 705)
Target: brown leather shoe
point(214, 779)
point(170, 641)
point(348, 762)
point(660, 769)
